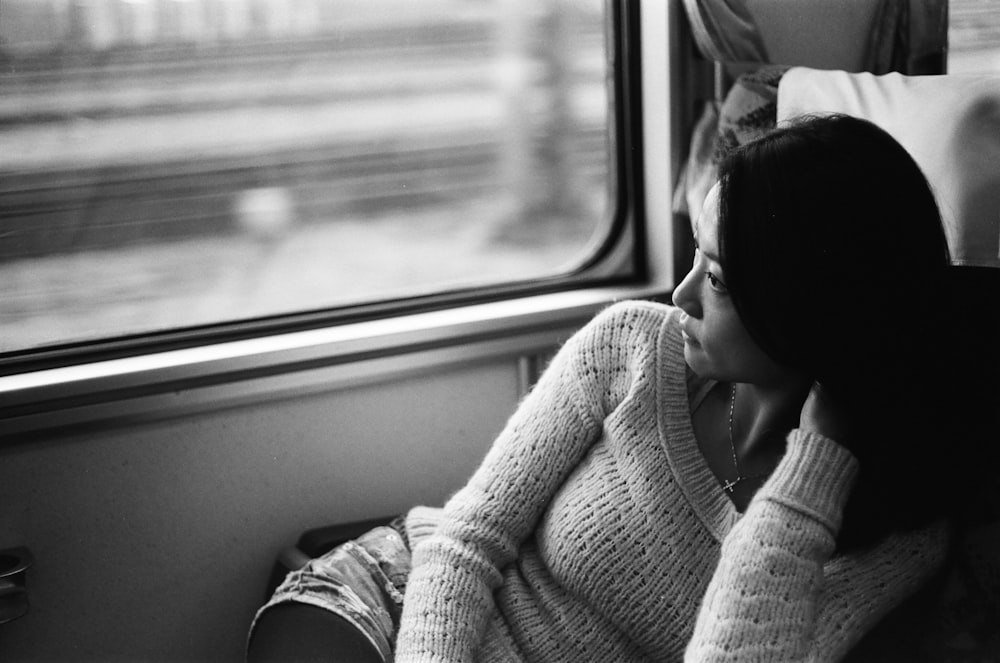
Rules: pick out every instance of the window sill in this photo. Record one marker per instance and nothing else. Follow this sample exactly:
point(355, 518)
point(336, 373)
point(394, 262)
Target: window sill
point(120, 391)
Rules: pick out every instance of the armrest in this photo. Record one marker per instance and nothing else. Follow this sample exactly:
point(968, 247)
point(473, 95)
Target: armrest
point(317, 541)
point(314, 543)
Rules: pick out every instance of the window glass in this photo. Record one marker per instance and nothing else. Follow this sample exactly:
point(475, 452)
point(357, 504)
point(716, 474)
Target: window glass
point(973, 37)
point(175, 163)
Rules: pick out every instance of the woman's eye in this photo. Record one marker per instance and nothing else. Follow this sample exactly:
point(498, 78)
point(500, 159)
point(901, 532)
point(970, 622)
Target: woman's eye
point(715, 282)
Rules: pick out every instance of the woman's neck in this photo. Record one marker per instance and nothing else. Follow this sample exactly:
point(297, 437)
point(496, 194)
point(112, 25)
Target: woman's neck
point(762, 416)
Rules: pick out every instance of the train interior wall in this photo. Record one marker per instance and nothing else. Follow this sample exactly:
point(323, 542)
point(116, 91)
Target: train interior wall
point(154, 542)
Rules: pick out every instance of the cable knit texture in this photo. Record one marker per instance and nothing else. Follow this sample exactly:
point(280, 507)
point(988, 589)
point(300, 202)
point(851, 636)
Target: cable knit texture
point(595, 531)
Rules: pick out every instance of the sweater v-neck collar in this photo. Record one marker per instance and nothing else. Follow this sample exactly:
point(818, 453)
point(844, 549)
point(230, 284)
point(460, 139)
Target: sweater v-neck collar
point(674, 419)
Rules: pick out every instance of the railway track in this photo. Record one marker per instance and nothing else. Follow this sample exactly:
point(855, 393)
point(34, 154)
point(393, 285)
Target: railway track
point(107, 207)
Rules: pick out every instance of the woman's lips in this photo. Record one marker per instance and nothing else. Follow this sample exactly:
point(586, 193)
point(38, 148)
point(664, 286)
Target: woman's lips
point(685, 334)
point(688, 338)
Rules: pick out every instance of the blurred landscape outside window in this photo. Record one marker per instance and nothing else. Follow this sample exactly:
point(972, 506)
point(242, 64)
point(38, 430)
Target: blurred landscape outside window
point(973, 37)
point(174, 163)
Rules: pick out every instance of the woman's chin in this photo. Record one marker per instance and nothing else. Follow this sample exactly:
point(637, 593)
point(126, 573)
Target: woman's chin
point(695, 360)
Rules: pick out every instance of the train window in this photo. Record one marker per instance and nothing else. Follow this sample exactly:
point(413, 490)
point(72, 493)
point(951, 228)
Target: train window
point(178, 164)
point(973, 37)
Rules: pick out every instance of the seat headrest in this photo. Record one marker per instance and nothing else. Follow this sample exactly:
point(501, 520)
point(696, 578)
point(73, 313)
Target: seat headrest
point(949, 124)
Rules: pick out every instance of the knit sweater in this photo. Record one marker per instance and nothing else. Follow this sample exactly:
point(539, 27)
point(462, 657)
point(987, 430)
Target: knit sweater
point(594, 530)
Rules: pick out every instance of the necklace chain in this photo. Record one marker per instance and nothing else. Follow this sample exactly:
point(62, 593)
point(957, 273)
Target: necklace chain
point(730, 485)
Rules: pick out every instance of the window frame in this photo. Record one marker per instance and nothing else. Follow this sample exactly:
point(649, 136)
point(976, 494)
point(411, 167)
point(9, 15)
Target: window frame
point(90, 385)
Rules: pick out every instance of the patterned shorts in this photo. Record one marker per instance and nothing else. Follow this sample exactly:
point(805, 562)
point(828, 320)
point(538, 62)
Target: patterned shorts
point(362, 581)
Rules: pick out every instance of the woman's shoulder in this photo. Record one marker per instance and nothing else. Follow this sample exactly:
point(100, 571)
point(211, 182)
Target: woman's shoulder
point(625, 333)
point(619, 349)
point(631, 324)
point(636, 315)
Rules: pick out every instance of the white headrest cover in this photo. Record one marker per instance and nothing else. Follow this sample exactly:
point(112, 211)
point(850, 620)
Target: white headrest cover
point(951, 126)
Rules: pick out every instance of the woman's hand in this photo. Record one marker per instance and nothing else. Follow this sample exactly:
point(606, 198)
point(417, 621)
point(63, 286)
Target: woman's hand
point(823, 415)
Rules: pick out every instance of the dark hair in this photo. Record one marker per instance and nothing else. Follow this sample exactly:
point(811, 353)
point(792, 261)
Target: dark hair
point(835, 258)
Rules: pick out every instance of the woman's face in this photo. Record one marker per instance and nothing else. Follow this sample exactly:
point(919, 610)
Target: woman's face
point(716, 344)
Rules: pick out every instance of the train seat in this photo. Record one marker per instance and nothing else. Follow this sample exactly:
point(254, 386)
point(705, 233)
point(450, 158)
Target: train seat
point(951, 126)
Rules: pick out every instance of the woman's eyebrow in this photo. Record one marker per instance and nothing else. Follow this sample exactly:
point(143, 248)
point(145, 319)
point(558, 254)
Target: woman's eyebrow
point(711, 255)
point(708, 254)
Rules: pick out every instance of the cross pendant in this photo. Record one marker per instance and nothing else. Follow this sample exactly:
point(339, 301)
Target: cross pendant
point(730, 486)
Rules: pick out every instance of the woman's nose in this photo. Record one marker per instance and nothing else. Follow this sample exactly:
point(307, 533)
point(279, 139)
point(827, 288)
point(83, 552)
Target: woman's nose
point(685, 296)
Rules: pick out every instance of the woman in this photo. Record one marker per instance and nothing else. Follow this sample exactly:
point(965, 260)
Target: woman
point(743, 476)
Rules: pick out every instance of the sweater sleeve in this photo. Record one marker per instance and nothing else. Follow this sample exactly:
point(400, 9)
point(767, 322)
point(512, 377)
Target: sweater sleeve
point(777, 595)
point(449, 594)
